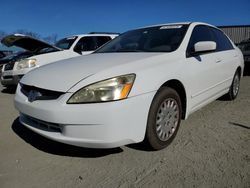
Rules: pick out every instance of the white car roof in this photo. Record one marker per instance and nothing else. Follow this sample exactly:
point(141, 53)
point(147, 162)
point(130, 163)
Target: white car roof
point(178, 23)
point(101, 34)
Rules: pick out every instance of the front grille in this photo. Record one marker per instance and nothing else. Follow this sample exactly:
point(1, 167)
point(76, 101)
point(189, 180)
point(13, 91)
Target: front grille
point(9, 66)
point(41, 94)
point(43, 125)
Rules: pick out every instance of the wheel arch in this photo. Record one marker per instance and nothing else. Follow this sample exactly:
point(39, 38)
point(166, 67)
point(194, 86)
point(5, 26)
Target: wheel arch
point(239, 69)
point(180, 89)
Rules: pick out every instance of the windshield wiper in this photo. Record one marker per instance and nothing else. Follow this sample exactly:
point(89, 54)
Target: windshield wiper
point(129, 51)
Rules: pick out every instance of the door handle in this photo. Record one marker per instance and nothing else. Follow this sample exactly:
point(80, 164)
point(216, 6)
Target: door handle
point(218, 60)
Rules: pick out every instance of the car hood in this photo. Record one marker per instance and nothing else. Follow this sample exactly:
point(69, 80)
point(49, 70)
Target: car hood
point(62, 75)
point(26, 42)
point(50, 57)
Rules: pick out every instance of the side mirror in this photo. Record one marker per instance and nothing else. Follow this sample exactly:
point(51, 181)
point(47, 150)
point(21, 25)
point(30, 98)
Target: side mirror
point(204, 46)
point(78, 50)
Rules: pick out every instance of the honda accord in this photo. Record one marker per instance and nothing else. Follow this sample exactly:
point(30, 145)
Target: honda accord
point(135, 88)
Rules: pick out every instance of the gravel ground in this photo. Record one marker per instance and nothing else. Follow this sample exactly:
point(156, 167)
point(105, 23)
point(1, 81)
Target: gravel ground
point(212, 149)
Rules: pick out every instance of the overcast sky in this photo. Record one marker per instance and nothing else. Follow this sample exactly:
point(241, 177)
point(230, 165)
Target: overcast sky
point(65, 18)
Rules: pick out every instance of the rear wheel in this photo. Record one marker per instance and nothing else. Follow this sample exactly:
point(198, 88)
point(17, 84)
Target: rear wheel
point(163, 119)
point(235, 87)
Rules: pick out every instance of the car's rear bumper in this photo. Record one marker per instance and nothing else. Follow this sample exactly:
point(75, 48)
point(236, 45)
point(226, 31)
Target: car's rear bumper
point(99, 125)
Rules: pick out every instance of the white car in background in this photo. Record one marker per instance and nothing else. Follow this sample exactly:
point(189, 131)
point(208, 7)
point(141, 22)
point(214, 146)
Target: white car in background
point(137, 87)
point(45, 53)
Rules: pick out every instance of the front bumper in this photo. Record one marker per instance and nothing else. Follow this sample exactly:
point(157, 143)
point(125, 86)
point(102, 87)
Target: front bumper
point(12, 77)
point(9, 80)
point(97, 125)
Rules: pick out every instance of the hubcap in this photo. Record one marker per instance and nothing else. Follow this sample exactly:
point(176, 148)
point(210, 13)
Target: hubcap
point(167, 119)
point(236, 85)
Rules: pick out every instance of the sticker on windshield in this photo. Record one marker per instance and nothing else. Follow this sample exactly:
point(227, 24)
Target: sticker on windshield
point(171, 27)
point(69, 38)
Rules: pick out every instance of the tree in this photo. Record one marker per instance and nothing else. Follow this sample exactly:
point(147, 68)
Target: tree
point(51, 38)
point(29, 33)
point(2, 34)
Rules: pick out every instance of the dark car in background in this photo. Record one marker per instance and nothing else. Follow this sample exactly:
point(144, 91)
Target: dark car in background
point(245, 48)
point(11, 59)
point(2, 55)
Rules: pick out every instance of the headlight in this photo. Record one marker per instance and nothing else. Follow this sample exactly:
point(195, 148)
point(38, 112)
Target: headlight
point(26, 63)
point(107, 90)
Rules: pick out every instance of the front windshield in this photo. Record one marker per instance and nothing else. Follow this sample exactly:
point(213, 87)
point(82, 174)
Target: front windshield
point(65, 43)
point(153, 39)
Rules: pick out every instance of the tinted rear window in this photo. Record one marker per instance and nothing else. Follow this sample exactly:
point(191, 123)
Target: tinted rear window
point(221, 40)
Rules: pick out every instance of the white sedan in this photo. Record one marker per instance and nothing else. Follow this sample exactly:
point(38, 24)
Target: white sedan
point(136, 88)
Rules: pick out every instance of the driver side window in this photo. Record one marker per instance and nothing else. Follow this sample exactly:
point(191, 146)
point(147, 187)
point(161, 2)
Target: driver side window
point(200, 33)
point(85, 44)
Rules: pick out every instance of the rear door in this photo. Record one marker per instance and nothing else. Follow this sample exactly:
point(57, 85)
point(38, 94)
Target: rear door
point(226, 57)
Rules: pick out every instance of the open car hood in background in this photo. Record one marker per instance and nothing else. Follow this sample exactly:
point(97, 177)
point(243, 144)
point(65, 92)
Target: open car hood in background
point(26, 42)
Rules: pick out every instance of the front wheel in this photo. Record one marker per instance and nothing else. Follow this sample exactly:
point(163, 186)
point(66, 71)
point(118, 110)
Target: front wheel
point(164, 118)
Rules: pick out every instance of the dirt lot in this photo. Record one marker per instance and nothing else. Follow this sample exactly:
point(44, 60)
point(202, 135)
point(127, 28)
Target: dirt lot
point(212, 149)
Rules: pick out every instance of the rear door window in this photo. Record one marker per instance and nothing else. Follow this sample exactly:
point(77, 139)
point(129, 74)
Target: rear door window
point(223, 43)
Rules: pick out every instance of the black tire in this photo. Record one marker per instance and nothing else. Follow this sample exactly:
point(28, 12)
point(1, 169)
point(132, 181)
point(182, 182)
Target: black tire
point(153, 138)
point(235, 87)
